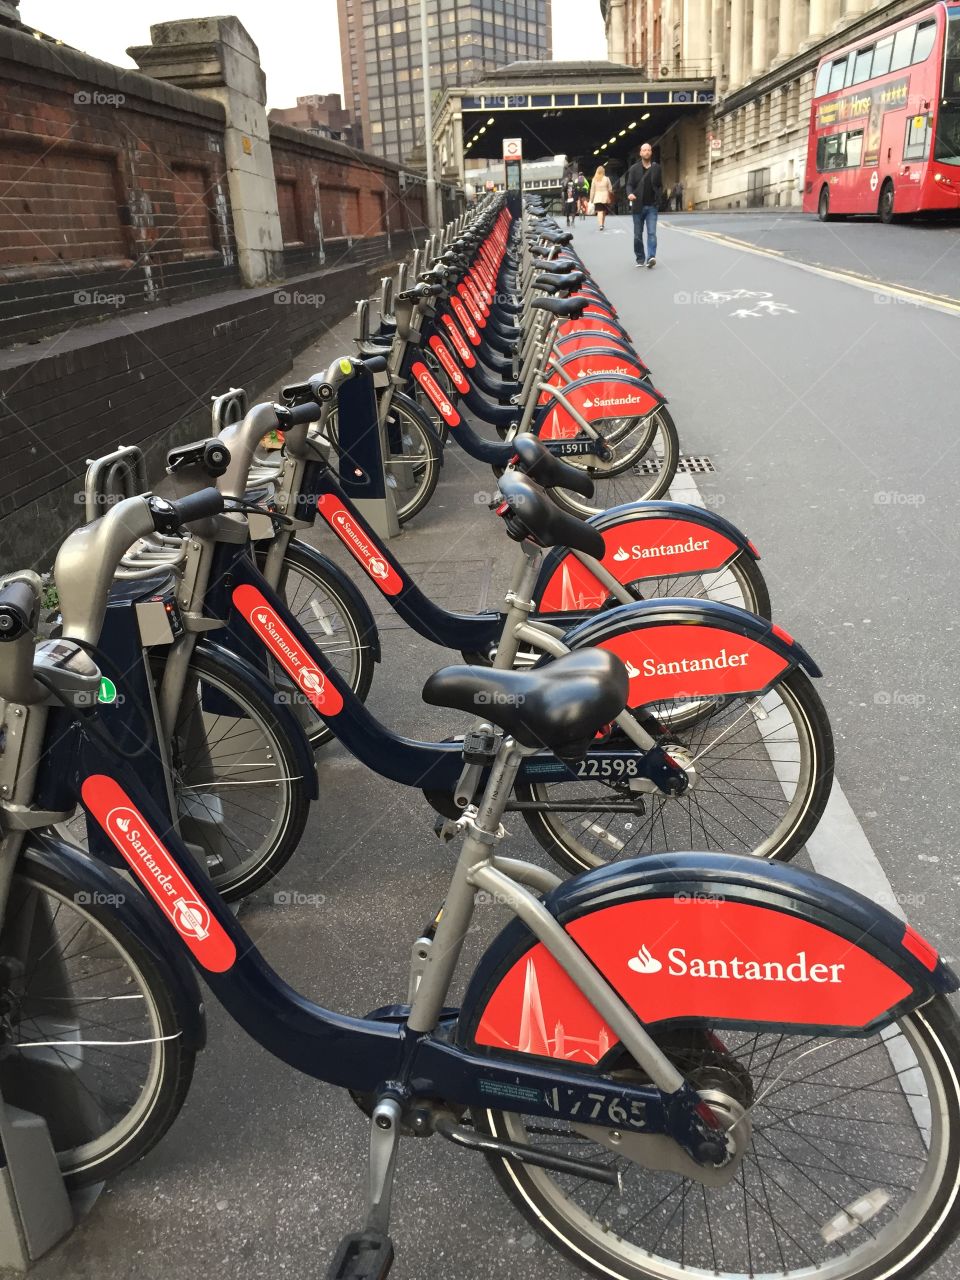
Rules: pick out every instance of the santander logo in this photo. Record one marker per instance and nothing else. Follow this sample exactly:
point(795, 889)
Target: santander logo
point(158, 872)
point(736, 969)
point(643, 962)
point(442, 352)
point(612, 402)
point(638, 552)
point(464, 318)
point(433, 390)
point(456, 337)
point(287, 649)
point(359, 545)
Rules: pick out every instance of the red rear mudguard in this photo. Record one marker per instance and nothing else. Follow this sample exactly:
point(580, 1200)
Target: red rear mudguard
point(641, 540)
point(702, 938)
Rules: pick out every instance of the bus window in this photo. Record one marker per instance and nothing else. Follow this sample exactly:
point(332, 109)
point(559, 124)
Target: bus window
point(881, 56)
point(903, 48)
point(915, 144)
point(862, 65)
point(830, 152)
point(848, 77)
point(854, 148)
point(837, 72)
point(926, 33)
point(823, 80)
point(947, 147)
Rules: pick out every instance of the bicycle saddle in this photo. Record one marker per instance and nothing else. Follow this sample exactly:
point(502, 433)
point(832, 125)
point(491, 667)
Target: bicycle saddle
point(569, 308)
point(533, 458)
point(555, 283)
point(532, 514)
point(560, 706)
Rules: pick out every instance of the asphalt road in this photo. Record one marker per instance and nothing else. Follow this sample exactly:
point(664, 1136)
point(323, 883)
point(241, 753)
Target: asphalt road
point(834, 442)
point(923, 254)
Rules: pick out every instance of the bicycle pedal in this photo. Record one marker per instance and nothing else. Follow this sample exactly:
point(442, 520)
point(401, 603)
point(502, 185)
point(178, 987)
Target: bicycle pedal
point(363, 1255)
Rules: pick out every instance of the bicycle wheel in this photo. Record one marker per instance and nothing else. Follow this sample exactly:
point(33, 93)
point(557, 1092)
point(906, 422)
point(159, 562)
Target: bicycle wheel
point(412, 464)
point(643, 468)
point(318, 603)
point(237, 778)
point(849, 1170)
point(92, 1040)
point(763, 769)
point(739, 583)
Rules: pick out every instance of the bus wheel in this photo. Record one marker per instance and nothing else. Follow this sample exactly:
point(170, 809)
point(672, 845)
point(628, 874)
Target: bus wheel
point(885, 206)
point(823, 207)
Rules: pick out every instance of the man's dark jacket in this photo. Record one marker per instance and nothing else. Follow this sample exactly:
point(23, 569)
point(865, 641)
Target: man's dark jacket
point(634, 185)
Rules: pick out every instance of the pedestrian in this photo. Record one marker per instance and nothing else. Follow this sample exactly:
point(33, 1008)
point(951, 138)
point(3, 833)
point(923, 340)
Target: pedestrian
point(570, 199)
point(644, 194)
point(584, 192)
point(678, 196)
point(601, 194)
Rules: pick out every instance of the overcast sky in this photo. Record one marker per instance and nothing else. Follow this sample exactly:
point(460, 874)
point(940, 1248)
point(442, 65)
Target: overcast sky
point(299, 43)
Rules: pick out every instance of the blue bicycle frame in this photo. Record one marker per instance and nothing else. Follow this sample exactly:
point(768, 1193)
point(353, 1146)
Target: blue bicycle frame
point(259, 626)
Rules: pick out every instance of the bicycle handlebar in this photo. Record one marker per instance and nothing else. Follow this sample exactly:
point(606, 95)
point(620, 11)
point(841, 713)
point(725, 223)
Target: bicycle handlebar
point(19, 607)
point(19, 611)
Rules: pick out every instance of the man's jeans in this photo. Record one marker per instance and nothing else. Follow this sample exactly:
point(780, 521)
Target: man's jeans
point(645, 217)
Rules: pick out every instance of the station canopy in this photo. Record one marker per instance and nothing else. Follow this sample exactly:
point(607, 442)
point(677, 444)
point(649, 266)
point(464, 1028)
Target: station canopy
point(570, 108)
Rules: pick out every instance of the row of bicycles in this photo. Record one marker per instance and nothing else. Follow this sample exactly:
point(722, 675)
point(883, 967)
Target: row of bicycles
point(682, 1055)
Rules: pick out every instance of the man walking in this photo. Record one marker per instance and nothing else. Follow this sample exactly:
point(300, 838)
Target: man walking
point(644, 194)
point(678, 197)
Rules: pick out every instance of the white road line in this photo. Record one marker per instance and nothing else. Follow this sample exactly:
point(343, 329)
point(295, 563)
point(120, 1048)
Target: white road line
point(839, 847)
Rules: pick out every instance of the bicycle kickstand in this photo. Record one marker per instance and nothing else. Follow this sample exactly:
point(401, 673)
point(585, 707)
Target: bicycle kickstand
point(368, 1254)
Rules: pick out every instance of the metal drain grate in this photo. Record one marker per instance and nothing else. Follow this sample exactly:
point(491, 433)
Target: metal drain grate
point(698, 465)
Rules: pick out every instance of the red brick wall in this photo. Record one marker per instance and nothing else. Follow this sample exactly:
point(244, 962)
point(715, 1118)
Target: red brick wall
point(114, 190)
point(350, 194)
point(115, 194)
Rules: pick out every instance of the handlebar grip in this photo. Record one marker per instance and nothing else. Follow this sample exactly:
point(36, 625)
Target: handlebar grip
point(19, 605)
point(195, 506)
point(298, 414)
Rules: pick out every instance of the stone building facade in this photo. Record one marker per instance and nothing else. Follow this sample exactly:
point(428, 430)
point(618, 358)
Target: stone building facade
point(751, 149)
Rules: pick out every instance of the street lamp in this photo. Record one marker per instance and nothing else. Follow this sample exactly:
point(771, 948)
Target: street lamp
point(433, 222)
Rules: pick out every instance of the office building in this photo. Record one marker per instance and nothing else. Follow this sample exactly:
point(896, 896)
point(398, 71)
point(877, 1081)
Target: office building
point(381, 53)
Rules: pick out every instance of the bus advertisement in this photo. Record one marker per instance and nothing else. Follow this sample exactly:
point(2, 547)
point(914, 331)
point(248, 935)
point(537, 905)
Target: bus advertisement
point(885, 122)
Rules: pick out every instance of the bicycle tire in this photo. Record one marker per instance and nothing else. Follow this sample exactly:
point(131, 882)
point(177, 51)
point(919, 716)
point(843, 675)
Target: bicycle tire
point(894, 1245)
point(627, 483)
point(220, 685)
point(661, 827)
point(98, 928)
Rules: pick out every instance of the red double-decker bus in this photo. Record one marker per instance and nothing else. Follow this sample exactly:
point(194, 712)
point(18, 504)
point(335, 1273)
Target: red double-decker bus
point(885, 122)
